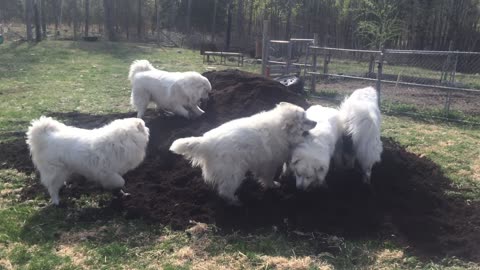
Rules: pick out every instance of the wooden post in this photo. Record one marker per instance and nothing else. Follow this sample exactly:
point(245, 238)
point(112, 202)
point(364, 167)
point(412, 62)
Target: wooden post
point(379, 74)
point(265, 48)
point(326, 61)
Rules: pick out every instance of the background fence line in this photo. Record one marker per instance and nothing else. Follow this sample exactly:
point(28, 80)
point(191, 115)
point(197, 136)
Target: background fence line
point(432, 84)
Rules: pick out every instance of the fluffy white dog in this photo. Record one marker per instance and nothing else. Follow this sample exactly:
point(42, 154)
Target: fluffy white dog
point(360, 118)
point(260, 144)
point(102, 155)
point(311, 159)
point(176, 92)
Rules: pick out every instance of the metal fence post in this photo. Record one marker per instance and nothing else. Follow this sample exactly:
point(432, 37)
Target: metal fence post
point(379, 74)
point(314, 69)
point(265, 47)
point(451, 82)
point(289, 56)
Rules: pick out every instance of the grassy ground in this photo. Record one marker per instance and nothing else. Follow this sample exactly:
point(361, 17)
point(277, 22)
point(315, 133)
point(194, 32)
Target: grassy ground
point(91, 78)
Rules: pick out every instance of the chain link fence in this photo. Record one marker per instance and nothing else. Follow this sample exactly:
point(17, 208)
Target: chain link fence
point(431, 84)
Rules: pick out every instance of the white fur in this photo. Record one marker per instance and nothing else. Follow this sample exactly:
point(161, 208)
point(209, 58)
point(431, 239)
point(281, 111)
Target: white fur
point(176, 92)
point(361, 120)
point(311, 159)
point(260, 144)
point(102, 155)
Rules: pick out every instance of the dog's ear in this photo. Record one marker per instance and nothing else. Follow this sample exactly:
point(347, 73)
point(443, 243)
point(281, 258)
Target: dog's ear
point(141, 125)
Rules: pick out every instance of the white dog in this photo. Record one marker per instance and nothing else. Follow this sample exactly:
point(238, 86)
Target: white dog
point(311, 159)
point(176, 92)
point(102, 155)
point(360, 118)
point(260, 144)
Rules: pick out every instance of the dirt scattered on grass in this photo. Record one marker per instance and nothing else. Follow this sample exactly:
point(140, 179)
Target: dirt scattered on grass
point(388, 259)
point(294, 263)
point(409, 205)
point(77, 258)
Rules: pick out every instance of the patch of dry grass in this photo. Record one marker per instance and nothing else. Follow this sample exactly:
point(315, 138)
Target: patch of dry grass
point(387, 259)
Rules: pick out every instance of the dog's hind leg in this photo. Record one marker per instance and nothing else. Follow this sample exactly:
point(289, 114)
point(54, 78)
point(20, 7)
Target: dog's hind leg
point(112, 181)
point(54, 181)
point(228, 187)
point(140, 100)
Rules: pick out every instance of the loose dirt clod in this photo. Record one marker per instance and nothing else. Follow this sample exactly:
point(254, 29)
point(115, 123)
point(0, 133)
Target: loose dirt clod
point(408, 204)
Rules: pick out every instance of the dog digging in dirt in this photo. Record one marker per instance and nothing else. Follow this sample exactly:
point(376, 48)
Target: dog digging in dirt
point(360, 121)
point(102, 155)
point(311, 159)
point(175, 92)
point(259, 144)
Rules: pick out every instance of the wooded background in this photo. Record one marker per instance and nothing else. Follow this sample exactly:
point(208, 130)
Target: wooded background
point(359, 24)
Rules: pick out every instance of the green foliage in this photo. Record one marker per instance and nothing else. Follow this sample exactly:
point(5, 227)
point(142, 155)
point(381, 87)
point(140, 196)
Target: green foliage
point(378, 21)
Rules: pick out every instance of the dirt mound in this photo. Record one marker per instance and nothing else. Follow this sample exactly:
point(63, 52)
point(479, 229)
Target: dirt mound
point(408, 203)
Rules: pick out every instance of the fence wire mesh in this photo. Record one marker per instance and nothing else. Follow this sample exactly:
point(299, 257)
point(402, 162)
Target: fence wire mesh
point(424, 83)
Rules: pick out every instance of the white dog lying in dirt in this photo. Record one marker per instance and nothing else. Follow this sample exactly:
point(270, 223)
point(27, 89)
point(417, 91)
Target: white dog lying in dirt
point(260, 144)
point(311, 159)
point(102, 155)
point(360, 118)
point(176, 92)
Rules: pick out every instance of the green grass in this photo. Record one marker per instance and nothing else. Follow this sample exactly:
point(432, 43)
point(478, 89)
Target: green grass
point(90, 78)
point(426, 113)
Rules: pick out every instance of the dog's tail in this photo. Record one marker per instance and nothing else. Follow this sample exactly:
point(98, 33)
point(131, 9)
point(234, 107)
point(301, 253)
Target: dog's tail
point(38, 131)
point(364, 127)
point(139, 66)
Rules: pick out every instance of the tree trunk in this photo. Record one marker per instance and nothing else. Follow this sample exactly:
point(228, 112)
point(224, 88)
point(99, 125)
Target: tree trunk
point(214, 19)
point(108, 9)
point(240, 19)
point(43, 19)
point(127, 20)
point(38, 30)
point(87, 16)
point(229, 25)
point(189, 15)
point(289, 15)
point(139, 19)
point(75, 20)
point(29, 18)
point(158, 22)
point(250, 18)
point(58, 10)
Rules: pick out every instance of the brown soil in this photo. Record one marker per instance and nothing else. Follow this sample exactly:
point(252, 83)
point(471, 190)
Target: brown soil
point(407, 204)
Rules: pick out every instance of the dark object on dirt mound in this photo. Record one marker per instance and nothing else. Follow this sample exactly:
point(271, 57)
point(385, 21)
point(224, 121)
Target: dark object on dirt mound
point(292, 82)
